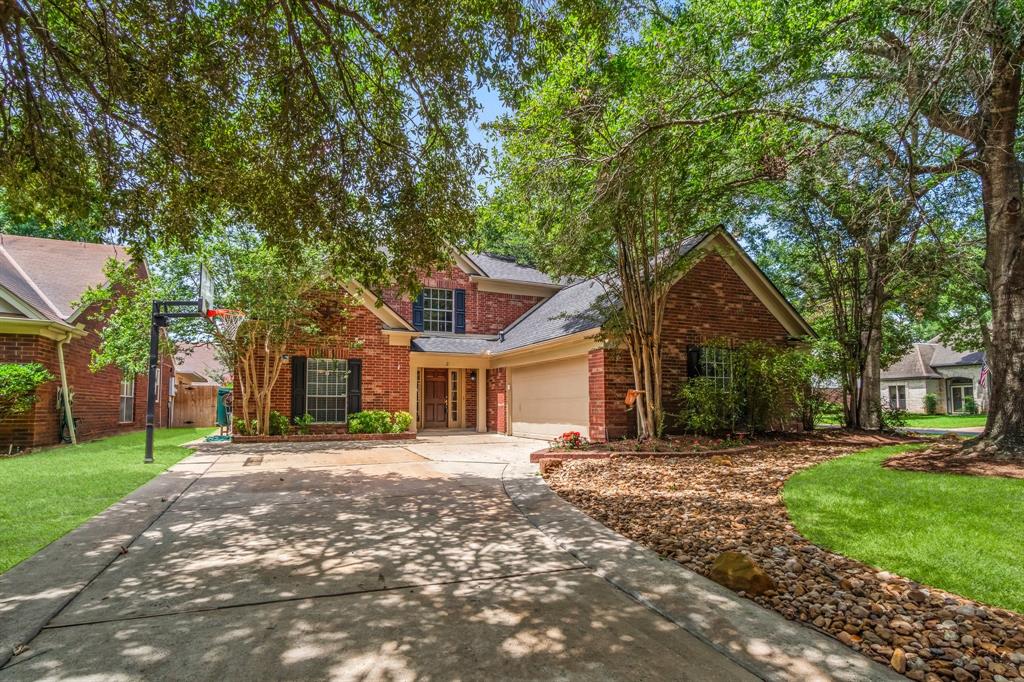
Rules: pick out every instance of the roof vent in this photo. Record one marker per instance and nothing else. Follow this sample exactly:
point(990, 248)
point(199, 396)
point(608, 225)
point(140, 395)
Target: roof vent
point(501, 336)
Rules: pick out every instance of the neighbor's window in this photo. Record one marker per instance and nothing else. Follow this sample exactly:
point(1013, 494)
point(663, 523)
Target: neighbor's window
point(327, 389)
point(898, 397)
point(716, 363)
point(438, 310)
point(127, 399)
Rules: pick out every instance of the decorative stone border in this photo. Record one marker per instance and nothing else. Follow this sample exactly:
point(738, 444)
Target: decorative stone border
point(318, 437)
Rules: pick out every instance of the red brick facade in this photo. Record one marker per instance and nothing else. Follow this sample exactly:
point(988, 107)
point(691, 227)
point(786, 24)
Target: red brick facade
point(385, 373)
point(96, 398)
point(486, 312)
point(496, 390)
point(710, 302)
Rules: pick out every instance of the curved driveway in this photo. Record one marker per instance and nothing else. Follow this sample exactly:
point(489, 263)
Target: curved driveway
point(395, 561)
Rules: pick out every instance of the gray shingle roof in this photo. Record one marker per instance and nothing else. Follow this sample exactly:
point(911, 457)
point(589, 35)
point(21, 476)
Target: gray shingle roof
point(473, 345)
point(499, 267)
point(51, 274)
point(921, 361)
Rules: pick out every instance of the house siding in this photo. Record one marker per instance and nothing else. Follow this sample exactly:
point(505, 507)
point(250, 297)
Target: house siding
point(96, 395)
point(487, 312)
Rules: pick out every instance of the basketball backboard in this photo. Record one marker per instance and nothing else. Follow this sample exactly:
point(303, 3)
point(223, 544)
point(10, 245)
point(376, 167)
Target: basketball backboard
point(205, 290)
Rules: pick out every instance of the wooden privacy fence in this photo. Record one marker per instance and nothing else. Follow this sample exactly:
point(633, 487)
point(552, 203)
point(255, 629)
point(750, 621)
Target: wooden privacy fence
point(195, 406)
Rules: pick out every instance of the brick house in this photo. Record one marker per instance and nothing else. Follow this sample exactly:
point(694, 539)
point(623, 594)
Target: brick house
point(491, 345)
point(40, 281)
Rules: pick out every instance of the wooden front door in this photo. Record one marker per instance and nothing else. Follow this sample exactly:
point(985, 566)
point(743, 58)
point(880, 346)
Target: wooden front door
point(435, 398)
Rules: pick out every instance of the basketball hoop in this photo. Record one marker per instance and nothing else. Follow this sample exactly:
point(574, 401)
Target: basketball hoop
point(226, 320)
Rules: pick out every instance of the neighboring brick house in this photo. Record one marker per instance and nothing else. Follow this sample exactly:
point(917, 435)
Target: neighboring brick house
point(492, 345)
point(40, 280)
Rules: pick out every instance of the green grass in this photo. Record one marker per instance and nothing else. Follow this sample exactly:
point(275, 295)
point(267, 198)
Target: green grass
point(928, 421)
point(48, 493)
point(958, 533)
point(944, 421)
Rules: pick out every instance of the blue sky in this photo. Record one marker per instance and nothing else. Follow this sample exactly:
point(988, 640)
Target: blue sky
point(490, 109)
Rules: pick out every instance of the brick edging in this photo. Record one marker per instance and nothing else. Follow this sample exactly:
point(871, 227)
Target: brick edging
point(318, 437)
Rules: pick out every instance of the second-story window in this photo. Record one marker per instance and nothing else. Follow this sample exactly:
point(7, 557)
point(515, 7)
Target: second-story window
point(438, 310)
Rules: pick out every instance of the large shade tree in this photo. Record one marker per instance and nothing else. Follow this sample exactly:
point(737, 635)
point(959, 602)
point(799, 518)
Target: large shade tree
point(338, 122)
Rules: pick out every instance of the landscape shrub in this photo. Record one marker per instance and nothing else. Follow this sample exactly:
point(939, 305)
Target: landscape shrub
point(18, 384)
point(970, 405)
point(369, 421)
point(401, 422)
point(931, 403)
point(893, 417)
point(244, 428)
point(278, 423)
point(770, 389)
point(304, 424)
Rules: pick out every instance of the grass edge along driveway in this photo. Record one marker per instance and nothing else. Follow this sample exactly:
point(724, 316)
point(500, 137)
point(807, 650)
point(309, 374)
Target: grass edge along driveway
point(962, 534)
point(47, 494)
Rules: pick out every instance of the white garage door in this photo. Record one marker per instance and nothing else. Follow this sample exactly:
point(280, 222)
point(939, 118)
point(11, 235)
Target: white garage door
point(550, 398)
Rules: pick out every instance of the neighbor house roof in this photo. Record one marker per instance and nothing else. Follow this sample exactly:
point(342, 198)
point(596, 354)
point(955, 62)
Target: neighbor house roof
point(201, 363)
point(50, 275)
point(921, 360)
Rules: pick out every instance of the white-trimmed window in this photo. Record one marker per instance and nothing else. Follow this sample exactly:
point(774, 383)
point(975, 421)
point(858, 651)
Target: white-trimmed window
point(898, 396)
point(127, 413)
point(438, 310)
point(327, 390)
point(716, 363)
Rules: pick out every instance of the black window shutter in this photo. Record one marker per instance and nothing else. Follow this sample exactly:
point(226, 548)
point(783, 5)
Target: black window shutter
point(417, 312)
point(693, 361)
point(298, 386)
point(355, 386)
point(460, 311)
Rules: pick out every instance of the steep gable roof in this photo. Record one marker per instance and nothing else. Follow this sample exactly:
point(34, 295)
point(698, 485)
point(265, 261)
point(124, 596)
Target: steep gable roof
point(50, 275)
point(508, 269)
point(922, 359)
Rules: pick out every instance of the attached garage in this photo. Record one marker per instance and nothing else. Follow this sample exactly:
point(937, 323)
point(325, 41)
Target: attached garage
point(550, 398)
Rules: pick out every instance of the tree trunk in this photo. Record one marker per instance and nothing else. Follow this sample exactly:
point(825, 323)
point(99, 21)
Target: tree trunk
point(1004, 260)
point(868, 406)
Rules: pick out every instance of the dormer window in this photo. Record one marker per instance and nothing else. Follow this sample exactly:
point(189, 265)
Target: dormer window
point(438, 310)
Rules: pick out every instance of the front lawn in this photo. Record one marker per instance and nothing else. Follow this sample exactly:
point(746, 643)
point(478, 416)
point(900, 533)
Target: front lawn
point(959, 533)
point(944, 421)
point(48, 493)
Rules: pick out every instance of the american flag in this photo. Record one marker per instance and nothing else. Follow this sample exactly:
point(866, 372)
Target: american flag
point(984, 374)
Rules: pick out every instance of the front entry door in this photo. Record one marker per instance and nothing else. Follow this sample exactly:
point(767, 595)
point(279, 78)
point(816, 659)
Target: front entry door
point(435, 398)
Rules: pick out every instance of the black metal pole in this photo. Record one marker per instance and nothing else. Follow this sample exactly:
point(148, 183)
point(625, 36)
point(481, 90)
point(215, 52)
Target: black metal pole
point(154, 357)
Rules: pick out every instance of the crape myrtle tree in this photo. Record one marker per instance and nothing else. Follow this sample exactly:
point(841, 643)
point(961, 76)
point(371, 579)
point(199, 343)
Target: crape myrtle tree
point(280, 292)
point(606, 187)
point(325, 121)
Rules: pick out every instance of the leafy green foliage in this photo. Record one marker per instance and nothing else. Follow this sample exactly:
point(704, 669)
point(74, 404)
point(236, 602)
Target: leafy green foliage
point(304, 424)
point(337, 123)
point(278, 424)
point(379, 421)
point(18, 385)
point(970, 405)
point(769, 390)
point(931, 403)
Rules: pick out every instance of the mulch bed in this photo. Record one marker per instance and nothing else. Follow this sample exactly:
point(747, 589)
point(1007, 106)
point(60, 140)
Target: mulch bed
point(949, 456)
point(322, 437)
point(691, 510)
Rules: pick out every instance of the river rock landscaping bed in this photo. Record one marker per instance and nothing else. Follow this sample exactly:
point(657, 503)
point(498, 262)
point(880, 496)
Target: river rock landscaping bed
point(716, 515)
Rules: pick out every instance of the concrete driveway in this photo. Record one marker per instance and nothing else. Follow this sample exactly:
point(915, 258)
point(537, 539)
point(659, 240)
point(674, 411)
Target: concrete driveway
point(395, 561)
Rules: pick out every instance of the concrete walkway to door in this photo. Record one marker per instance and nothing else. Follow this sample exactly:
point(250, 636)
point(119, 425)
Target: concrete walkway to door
point(389, 561)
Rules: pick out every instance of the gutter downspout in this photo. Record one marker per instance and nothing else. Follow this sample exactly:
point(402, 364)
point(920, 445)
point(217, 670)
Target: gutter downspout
point(64, 389)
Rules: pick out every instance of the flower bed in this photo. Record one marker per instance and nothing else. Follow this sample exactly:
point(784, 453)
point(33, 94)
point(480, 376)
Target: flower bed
point(693, 510)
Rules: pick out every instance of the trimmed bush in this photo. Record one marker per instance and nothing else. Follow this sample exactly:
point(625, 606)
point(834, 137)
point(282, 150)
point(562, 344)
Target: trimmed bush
point(369, 421)
point(931, 403)
point(18, 384)
point(402, 422)
point(278, 423)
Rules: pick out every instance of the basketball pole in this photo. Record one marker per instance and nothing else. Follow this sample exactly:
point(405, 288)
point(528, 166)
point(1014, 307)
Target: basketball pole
point(159, 321)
